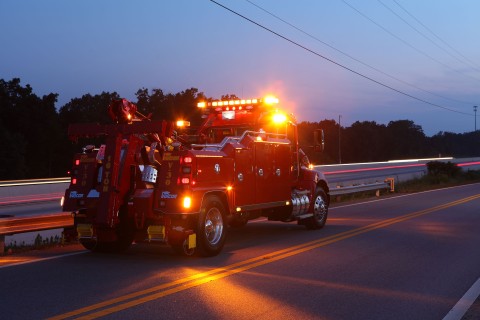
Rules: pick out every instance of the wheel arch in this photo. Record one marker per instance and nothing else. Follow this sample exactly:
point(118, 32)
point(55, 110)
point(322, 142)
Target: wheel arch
point(221, 195)
point(323, 184)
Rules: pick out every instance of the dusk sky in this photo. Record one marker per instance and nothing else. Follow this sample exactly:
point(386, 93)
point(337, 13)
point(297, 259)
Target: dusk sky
point(422, 50)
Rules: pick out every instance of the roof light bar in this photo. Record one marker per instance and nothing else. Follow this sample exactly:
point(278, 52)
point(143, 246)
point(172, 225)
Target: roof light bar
point(270, 100)
point(224, 103)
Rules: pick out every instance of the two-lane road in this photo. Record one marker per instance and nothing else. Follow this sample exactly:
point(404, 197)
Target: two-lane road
point(405, 257)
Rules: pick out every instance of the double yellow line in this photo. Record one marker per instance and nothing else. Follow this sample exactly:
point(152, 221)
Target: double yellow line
point(136, 298)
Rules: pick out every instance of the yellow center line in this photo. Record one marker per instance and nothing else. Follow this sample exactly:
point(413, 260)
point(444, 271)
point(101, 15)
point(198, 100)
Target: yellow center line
point(156, 292)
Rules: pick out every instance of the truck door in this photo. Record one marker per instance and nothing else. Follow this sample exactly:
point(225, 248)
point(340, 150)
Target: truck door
point(272, 172)
point(245, 177)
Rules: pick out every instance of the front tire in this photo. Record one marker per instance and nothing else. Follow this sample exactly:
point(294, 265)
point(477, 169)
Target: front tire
point(320, 211)
point(211, 227)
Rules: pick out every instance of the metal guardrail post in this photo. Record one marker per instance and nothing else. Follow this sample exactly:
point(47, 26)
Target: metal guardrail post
point(391, 182)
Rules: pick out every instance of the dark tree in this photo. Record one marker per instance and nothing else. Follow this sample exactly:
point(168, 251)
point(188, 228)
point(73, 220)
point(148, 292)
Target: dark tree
point(365, 142)
point(86, 109)
point(30, 131)
point(456, 144)
point(182, 105)
point(406, 140)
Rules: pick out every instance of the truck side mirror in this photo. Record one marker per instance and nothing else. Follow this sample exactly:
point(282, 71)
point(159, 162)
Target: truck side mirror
point(318, 140)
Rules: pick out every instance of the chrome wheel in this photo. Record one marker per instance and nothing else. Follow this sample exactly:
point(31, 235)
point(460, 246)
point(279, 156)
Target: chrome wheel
point(211, 230)
point(320, 211)
point(213, 226)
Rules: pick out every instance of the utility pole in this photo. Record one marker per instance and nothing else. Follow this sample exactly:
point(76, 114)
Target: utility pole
point(475, 110)
point(339, 140)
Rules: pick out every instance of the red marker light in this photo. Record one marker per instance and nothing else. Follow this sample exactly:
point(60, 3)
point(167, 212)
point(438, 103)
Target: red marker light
point(77, 162)
point(74, 181)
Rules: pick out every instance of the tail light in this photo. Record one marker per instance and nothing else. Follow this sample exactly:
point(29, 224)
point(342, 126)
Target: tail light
point(185, 177)
point(74, 172)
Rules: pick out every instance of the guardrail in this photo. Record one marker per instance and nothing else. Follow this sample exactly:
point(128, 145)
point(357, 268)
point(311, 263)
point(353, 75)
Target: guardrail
point(389, 183)
point(12, 225)
point(14, 183)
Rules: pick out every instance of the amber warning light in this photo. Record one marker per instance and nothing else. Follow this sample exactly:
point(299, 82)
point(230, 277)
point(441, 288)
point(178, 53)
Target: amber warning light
point(183, 123)
point(229, 103)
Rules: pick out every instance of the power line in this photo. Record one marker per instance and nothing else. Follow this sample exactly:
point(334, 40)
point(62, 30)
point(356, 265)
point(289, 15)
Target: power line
point(405, 42)
point(424, 35)
point(334, 62)
point(355, 59)
point(472, 64)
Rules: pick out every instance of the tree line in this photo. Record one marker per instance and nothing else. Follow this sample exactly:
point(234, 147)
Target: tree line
point(34, 142)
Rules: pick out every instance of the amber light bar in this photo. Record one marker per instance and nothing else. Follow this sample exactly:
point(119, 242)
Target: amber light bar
point(222, 103)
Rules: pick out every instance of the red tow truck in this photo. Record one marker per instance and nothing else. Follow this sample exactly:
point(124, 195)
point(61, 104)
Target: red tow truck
point(152, 181)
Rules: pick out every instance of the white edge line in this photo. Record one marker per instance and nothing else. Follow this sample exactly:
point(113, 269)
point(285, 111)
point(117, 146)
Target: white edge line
point(43, 259)
point(462, 306)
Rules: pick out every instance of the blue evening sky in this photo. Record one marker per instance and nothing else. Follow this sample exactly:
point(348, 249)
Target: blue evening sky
point(89, 46)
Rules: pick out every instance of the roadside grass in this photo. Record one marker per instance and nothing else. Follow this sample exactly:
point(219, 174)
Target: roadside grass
point(431, 182)
point(440, 175)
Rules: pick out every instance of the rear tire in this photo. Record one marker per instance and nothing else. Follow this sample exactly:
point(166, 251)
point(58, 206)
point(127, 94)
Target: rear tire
point(320, 211)
point(211, 227)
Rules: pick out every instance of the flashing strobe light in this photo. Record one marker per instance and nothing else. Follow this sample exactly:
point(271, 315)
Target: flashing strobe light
point(182, 123)
point(270, 100)
point(279, 118)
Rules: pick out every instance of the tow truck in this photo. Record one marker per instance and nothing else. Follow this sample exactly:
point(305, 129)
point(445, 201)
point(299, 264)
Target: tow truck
point(156, 181)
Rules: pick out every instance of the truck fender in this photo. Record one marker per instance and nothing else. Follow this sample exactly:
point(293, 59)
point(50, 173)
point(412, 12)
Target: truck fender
point(219, 193)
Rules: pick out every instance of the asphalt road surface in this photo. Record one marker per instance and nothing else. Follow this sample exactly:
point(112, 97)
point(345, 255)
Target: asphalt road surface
point(404, 257)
